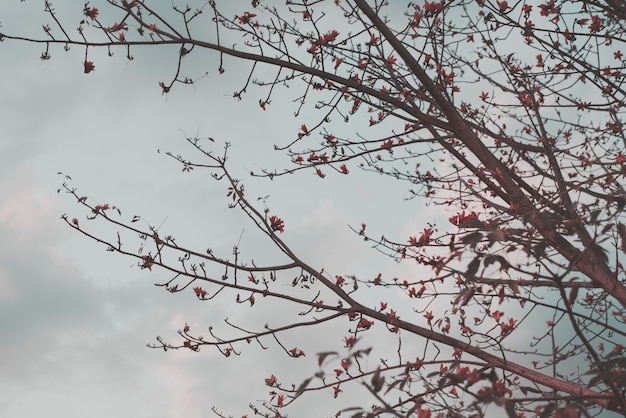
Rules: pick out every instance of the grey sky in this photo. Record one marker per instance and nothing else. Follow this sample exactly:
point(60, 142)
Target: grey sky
point(76, 319)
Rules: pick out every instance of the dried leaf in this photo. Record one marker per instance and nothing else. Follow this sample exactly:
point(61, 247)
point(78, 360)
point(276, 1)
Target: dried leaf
point(472, 267)
point(621, 230)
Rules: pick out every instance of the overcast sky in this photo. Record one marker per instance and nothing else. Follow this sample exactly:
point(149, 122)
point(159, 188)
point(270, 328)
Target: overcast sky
point(76, 319)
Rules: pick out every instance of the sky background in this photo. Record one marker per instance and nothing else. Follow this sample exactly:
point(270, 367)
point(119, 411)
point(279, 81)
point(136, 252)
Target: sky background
point(76, 319)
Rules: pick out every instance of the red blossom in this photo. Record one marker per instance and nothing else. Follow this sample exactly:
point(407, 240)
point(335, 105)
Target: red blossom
point(596, 24)
point(344, 169)
point(466, 221)
point(116, 27)
point(429, 316)
point(373, 40)
point(88, 66)
point(147, 262)
point(276, 224)
point(502, 5)
point(246, 18)
point(349, 341)
point(75, 221)
point(328, 37)
point(432, 7)
point(425, 237)
point(296, 352)
point(271, 381)
point(365, 323)
point(200, 292)
point(91, 13)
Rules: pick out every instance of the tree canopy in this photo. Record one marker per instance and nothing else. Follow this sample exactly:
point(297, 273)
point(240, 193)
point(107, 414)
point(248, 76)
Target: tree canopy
point(506, 116)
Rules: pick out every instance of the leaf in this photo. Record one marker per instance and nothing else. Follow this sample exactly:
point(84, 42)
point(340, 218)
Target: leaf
point(472, 267)
point(472, 239)
point(322, 356)
point(377, 381)
point(464, 296)
point(394, 384)
point(621, 230)
point(302, 387)
point(490, 259)
point(364, 352)
point(547, 410)
point(510, 409)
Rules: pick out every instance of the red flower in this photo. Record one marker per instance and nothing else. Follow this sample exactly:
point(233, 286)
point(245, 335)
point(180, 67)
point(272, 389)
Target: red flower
point(365, 323)
point(425, 237)
point(432, 7)
point(75, 221)
point(152, 27)
point(91, 13)
point(502, 5)
point(391, 60)
point(271, 381)
point(116, 27)
point(277, 224)
point(344, 169)
point(336, 390)
point(200, 292)
point(349, 341)
point(328, 37)
point(247, 16)
point(296, 352)
point(147, 263)
point(373, 39)
point(462, 220)
point(89, 67)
